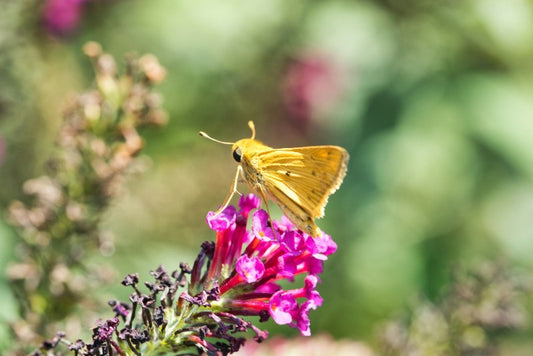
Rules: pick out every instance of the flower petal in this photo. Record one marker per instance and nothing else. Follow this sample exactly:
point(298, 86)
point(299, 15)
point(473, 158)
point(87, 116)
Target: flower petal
point(251, 269)
point(223, 220)
point(282, 307)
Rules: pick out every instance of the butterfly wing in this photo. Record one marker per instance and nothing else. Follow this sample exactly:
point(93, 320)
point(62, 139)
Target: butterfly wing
point(300, 180)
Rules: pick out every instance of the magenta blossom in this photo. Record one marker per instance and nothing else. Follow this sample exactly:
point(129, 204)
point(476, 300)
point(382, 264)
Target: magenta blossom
point(283, 307)
point(61, 17)
point(251, 269)
point(240, 273)
point(261, 226)
point(312, 87)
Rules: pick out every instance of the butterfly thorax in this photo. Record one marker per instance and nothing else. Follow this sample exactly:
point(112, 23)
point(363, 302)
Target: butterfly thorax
point(246, 152)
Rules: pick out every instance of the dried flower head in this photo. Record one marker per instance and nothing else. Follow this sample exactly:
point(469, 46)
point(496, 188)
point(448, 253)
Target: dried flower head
point(96, 147)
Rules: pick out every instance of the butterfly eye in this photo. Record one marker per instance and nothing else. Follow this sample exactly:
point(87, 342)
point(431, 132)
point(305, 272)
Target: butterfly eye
point(237, 154)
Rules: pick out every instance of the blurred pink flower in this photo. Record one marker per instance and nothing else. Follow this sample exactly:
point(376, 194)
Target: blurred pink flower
point(312, 87)
point(61, 17)
point(316, 346)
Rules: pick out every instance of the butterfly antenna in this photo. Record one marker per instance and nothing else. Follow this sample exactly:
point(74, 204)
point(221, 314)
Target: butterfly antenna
point(203, 134)
point(252, 127)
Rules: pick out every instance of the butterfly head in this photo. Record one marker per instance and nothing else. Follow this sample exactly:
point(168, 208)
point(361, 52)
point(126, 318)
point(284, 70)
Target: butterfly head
point(246, 146)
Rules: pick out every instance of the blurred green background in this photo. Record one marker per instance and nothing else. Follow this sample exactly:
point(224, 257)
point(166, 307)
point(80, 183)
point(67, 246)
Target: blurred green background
point(433, 100)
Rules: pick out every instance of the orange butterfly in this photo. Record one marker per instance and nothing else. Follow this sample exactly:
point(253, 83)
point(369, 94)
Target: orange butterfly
point(299, 180)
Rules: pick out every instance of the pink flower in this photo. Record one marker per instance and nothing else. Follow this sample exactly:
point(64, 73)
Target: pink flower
point(302, 320)
point(223, 220)
point(312, 87)
point(282, 307)
point(251, 269)
point(292, 242)
point(241, 271)
point(62, 17)
point(260, 226)
point(321, 246)
point(247, 203)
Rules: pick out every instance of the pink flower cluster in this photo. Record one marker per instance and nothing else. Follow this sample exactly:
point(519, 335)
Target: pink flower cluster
point(248, 264)
point(61, 17)
point(312, 87)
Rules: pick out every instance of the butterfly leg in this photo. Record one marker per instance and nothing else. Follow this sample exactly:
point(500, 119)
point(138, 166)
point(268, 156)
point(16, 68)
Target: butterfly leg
point(232, 191)
point(263, 196)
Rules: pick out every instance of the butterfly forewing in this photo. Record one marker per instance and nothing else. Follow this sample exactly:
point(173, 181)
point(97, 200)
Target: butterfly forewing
point(306, 176)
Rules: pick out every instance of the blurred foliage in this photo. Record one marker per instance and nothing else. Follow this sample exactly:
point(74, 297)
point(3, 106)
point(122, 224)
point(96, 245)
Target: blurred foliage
point(481, 305)
point(433, 99)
